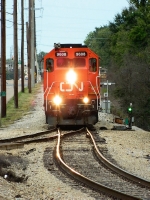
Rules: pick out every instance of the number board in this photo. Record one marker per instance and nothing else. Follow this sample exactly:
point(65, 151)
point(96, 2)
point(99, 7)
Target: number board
point(61, 54)
point(81, 54)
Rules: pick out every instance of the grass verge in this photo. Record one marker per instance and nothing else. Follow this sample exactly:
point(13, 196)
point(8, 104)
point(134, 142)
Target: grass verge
point(25, 105)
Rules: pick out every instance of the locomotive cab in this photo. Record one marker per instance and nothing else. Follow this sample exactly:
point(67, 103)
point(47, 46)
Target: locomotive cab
point(71, 85)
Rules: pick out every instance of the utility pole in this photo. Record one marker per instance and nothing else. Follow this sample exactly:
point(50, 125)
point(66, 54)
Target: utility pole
point(0, 64)
point(36, 63)
point(37, 67)
point(15, 56)
point(22, 46)
point(28, 57)
point(28, 28)
point(3, 58)
point(31, 42)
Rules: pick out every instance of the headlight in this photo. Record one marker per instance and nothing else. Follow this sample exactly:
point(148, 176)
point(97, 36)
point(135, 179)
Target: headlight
point(86, 100)
point(71, 77)
point(57, 100)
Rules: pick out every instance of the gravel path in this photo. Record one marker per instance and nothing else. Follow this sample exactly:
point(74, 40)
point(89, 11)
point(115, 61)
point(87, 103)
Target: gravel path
point(131, 150)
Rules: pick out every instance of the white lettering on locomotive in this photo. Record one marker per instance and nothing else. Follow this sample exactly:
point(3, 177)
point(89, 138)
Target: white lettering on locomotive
point(81, 88)
point(71, 87)
point(81, 54)
point(61, 54)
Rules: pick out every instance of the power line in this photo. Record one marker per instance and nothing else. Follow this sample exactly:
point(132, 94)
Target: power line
point(9, 13)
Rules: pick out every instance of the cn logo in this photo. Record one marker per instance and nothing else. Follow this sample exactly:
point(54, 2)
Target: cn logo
point(62, 87)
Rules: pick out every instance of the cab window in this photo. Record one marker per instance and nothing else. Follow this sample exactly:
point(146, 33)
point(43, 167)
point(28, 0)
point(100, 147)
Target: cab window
point(92, 64)
point(63, 62)
point(49, 65)
point(79, 62)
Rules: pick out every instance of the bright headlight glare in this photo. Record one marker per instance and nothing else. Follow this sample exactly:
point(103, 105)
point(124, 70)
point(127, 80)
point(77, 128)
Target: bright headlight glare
point(71, 77)
point(86, 100)
point(57, 100)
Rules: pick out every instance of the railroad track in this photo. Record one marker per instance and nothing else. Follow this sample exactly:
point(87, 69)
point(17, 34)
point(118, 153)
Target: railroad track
point(74, 154)
point(42, 136)
point(83, 161)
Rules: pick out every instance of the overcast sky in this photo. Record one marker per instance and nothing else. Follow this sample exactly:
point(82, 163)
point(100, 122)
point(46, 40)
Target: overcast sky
point(64, 21)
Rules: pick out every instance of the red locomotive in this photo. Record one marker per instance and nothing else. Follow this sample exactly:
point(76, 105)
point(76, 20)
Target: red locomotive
point(71, 85)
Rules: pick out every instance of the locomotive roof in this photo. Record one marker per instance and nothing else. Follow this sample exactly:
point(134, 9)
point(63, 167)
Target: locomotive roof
point(73, 46)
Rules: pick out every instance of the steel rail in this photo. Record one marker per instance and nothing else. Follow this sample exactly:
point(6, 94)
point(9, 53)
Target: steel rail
point(18, 141)
point(83, 179)
point(116, 168)
point(27, 136)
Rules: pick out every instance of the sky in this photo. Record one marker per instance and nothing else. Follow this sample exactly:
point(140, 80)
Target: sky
point(64, 21)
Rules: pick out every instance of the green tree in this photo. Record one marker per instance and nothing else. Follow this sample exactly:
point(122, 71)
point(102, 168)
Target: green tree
point(98, 41)
point(125, 52)
point(40, 57)
point(130, 69)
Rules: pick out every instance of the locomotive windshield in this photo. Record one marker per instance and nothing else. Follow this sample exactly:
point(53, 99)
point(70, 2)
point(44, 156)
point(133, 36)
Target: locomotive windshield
point(75, 62)
point(79, 62)
point(63, 62)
